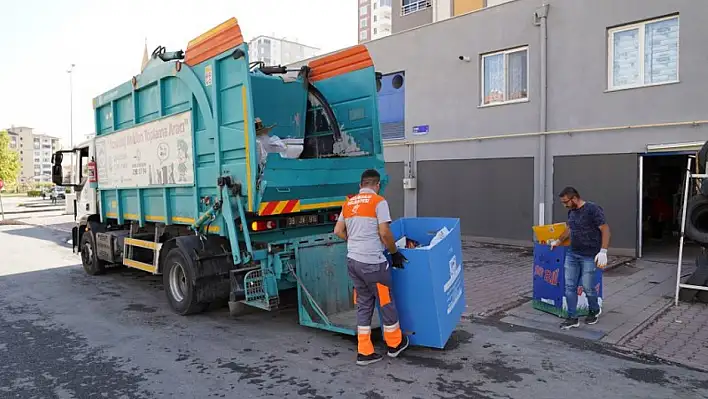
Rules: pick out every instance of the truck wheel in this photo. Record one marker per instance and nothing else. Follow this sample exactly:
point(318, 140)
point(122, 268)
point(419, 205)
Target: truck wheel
point(178, 277)
point(697, 219)
point(89, 257)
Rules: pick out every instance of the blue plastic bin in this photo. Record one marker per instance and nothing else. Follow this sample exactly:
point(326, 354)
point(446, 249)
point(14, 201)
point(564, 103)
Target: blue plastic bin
point(549, 282)
point(430, 292)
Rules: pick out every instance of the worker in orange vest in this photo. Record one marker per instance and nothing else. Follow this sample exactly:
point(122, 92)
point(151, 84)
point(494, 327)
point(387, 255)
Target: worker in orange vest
point(365, 224)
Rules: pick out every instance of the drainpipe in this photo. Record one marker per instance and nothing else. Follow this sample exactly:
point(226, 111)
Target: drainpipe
point(540, 19)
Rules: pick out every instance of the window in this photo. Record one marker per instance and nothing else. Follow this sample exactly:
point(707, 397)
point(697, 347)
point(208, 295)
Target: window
point(363, 35)
point(505, 76)
point(376, 31)
point(385, 3)
point(375, 18)
point(363, 10)
point(642, 54)
point(363, 23)
point(411, 6)
point(375, 5)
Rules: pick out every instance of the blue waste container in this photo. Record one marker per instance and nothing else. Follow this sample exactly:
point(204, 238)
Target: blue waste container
point(549, 282)
point(430, 292)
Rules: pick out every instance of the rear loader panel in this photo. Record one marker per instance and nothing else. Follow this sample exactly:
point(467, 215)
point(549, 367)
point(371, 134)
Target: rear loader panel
point(337, 147)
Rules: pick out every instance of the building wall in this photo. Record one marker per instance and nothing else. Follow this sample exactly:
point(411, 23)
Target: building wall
point(364, 13)
point(401, 23)
point(492, 197)
point(43, 148)
point(394, 191)
point(24, 149)
point(380, 19)
point(613, 184)
point(583, 116)
point(491, 3)
point(464, 6)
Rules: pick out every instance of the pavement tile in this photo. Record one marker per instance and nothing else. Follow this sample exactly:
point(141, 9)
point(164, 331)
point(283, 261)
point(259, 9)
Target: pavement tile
point(678, 341)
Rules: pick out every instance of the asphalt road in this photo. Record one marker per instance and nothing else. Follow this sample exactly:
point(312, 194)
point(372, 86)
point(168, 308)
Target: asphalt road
point(64, 334)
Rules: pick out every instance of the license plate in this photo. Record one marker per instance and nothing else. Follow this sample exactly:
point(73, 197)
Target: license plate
point(301, 220)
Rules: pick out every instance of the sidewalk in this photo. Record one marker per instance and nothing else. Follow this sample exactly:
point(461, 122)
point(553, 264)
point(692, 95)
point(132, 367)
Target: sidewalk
point(679, 334)
point(633, 293)
point(499, 278)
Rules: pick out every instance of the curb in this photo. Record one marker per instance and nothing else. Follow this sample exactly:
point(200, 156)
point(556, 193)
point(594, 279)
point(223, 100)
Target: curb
point(651, 319)
point(668, 359)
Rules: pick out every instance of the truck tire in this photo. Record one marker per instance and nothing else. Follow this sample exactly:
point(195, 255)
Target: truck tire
point(697, 219)
point(89, 258)
point(178, 279)
point(702, 297)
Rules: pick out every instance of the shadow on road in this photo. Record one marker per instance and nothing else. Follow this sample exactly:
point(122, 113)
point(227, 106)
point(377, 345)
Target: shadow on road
point(60, 238)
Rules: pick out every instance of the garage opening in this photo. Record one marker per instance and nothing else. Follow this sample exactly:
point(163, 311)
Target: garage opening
point(662, 190)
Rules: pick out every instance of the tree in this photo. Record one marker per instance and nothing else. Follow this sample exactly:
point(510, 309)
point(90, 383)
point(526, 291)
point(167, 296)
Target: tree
point(9, 159)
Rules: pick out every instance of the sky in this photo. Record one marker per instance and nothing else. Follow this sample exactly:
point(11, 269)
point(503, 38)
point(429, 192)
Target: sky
point(40, 39)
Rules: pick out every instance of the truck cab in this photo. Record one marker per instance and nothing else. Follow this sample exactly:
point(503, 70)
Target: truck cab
point(76, 176)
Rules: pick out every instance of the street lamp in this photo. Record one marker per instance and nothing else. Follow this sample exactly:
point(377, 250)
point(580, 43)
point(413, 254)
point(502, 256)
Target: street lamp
point(71, 113)
point(71, 106)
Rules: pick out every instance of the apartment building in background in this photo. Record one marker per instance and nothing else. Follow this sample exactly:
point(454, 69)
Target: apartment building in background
point(409, 14)
point(375, 19)
point(35, 150)
point(274, 51)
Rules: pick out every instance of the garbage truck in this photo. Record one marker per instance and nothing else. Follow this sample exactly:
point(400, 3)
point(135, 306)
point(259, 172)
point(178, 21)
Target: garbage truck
point(226, 176)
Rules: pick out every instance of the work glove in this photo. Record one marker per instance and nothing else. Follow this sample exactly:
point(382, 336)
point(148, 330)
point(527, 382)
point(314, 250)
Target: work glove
point(553, 243)
point(601, 258)
point(398, 260)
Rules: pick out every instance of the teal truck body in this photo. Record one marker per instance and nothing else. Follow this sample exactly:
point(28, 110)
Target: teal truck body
point(177, 181)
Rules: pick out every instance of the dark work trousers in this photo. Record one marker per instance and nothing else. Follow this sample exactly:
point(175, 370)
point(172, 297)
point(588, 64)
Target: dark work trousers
point(371, 282)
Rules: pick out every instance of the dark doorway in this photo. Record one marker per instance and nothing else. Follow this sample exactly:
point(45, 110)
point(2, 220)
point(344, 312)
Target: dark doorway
point(662, 192)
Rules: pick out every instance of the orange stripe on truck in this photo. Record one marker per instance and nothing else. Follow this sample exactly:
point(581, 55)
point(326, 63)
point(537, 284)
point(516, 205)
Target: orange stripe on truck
point(214, 42)
point(279, 207)
point(345, 61)
point(293, 206)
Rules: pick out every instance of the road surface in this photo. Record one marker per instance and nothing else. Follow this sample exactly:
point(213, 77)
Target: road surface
point(64, 334)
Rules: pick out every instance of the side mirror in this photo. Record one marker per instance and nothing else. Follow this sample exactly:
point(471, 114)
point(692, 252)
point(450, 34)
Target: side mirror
point(57, 158)
point(57, 174)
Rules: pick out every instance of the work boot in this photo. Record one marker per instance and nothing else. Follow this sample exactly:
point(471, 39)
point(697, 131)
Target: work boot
point(570, 323)
point(593, 316)
point(394, 352)
point(365, 360)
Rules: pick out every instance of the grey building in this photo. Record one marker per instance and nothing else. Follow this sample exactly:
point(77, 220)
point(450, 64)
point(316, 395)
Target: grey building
point(524, 99)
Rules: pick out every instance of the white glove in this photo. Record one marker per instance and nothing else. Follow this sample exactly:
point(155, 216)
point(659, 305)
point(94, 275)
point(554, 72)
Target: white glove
point(601, 258)
point(553, 243)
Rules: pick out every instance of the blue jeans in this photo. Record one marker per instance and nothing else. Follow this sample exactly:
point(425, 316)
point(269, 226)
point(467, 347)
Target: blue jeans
point(580, 269)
